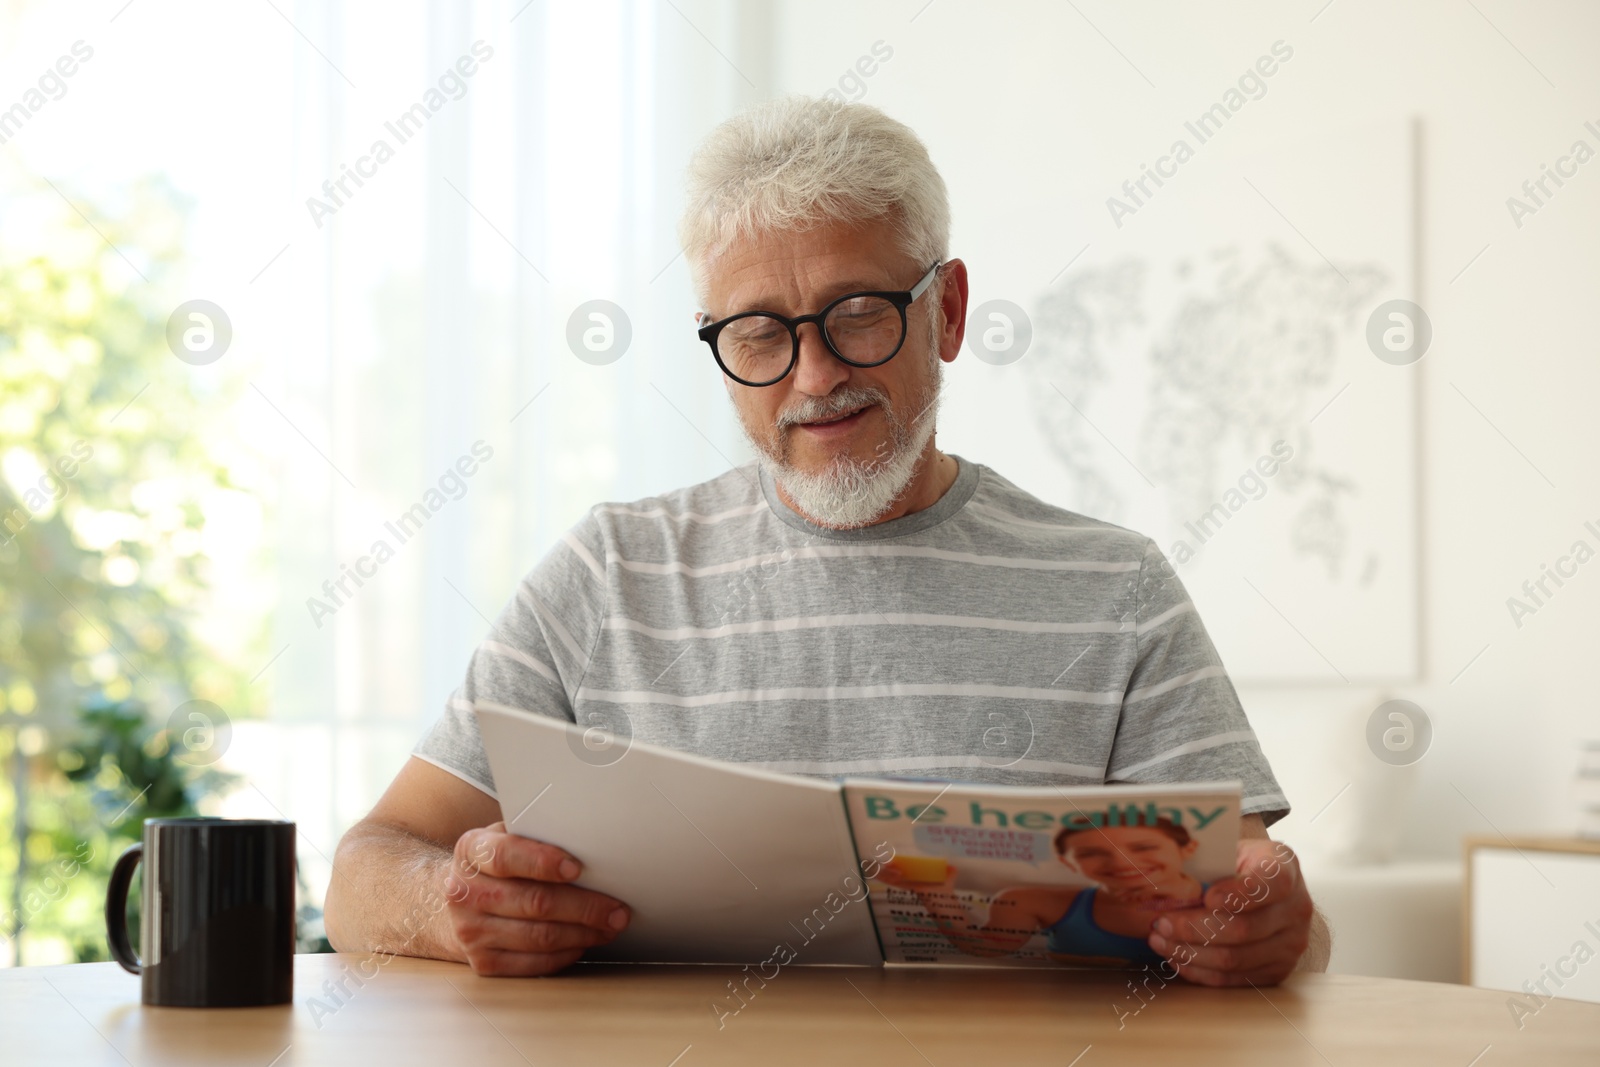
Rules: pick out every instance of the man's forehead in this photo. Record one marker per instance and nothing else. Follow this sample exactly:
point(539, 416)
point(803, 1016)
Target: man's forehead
point(780, 271)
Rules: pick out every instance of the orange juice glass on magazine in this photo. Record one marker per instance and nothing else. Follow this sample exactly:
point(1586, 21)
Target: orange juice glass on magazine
point(930, 869)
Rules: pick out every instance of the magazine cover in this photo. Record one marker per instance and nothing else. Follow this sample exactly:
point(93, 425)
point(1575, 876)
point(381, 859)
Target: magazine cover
point(993, 876)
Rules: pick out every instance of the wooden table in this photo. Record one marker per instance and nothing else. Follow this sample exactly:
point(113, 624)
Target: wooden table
point(441, 1014)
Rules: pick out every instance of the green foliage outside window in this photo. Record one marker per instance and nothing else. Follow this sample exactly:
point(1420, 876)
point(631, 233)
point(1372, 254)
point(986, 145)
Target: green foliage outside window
point(121, 477)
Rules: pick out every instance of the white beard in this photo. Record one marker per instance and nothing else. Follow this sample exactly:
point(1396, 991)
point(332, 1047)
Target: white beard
point(849, 493)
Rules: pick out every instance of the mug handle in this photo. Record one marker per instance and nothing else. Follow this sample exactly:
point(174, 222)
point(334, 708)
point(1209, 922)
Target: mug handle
point(117, 908)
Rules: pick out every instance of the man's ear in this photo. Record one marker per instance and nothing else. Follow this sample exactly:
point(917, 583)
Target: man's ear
point(953, 306)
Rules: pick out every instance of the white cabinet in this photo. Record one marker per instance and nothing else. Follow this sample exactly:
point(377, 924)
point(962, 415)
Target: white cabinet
point(1533, 917)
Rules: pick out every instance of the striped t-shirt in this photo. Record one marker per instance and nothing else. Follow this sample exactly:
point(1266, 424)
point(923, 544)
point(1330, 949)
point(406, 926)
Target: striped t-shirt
point(991, 637)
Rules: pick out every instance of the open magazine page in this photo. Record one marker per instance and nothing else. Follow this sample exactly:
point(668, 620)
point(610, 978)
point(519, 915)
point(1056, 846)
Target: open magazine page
point(1002, 876)
point(720, 863)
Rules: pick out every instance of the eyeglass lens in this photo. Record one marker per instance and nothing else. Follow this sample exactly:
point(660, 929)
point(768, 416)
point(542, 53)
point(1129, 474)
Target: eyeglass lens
point(863, 329)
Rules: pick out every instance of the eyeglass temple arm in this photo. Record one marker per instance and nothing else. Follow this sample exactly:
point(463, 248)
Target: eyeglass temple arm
point(927, 280)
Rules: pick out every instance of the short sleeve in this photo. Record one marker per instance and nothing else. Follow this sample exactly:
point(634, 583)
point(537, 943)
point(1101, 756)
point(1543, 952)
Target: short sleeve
point(1181, 719)
point(534, 656)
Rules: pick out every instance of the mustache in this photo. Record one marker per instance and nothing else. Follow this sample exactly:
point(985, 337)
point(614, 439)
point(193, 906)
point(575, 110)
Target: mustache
point(830, 406)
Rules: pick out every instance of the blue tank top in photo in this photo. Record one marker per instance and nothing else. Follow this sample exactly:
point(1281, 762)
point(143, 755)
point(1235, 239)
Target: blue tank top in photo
point(1077, 934)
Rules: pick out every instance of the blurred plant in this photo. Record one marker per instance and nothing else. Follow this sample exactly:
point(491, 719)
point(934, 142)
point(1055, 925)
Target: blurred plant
point(115, 461)
point(119, 753)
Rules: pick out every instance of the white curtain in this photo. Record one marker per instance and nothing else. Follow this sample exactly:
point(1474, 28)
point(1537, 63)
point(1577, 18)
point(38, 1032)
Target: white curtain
point(420, 329)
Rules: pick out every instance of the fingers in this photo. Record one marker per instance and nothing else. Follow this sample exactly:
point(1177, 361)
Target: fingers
point(504, 963)
point(514, 909)
point(491, 933)
point(1277, 952)
point(492, 851)
point(1193, 972)
point(539, 901)
point(1267, 897)
point(1253, 929)
point(1227, 926)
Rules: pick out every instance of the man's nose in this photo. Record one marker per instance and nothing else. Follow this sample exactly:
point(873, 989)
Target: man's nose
point(819, 372)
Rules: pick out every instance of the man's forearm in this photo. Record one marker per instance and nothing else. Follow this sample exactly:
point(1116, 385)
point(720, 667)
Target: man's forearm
point(387, 895)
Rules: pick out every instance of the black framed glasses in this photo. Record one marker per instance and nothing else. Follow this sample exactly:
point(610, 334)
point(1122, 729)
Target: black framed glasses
point(759, 348)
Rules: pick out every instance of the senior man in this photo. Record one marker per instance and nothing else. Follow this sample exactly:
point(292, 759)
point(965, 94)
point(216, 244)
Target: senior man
point(855, 601)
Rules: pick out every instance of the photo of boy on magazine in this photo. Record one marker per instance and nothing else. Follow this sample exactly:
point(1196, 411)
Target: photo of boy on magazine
point(1137, 871)
point(1008, 877)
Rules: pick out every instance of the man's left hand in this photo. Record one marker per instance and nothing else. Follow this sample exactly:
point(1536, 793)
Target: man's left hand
point(1252, 928)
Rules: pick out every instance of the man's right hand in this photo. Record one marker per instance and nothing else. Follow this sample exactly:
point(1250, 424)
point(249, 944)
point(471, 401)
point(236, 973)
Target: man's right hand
point(514, 910)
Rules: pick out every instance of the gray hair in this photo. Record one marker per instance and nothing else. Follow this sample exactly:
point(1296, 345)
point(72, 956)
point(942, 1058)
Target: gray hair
point(799, 162)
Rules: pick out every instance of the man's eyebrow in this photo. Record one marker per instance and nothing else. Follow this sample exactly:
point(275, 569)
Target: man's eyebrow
point(833, 291)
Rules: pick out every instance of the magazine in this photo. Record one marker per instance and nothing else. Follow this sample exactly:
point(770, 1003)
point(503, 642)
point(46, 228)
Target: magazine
point(722, 863)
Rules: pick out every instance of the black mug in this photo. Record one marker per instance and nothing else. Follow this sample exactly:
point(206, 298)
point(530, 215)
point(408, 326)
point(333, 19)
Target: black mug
point(217, 922)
